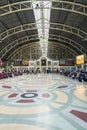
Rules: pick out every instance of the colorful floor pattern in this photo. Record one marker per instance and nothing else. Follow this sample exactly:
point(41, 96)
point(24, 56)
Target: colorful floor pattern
point(43, 102)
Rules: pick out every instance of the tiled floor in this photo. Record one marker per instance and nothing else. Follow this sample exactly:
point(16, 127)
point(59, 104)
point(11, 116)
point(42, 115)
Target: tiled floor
point(43, 102)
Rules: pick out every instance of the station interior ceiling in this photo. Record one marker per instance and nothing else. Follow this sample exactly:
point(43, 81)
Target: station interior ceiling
point(67, 29)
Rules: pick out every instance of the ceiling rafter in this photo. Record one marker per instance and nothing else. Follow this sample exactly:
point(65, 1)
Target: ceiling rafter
point(61, 30)
point(32, 26)
point(12, 55)
point(52, 36)
point(35, 45)
point(70, 42)
point(26, 5)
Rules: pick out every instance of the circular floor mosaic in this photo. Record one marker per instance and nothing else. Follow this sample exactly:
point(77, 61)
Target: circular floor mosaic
point(29, 95)
point(32, 104)
point(36, 82)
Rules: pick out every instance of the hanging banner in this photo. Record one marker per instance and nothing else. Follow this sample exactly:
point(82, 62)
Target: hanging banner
point(1, 62)
point(80, 59)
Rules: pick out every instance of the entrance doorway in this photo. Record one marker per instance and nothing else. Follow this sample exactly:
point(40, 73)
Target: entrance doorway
point(43, 62)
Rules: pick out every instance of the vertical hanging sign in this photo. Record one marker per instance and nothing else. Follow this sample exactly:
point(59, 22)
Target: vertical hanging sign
point(0, 62)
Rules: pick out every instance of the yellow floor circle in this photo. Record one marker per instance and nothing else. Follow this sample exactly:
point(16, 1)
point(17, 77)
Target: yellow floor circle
point(80, 93)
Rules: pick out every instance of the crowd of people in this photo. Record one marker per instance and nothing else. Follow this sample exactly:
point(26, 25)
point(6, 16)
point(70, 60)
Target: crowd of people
point(74, 74)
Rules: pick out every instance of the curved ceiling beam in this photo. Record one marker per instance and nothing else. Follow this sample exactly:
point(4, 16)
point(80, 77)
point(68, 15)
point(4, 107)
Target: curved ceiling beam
point(70, 6)
point(59, 52)
point(59, 5)
point(14, 53)
point(17, 51)
point(58, 47)
point(17, 42)
point(70, 29)
point(32, 26)
point(21, 54)
point(62, 45)
point(56, 26)
point(74, 44)
point(18, 29)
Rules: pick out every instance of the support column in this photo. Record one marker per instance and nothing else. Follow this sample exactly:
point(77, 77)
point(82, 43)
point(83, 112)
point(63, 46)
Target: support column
point(82, 66)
